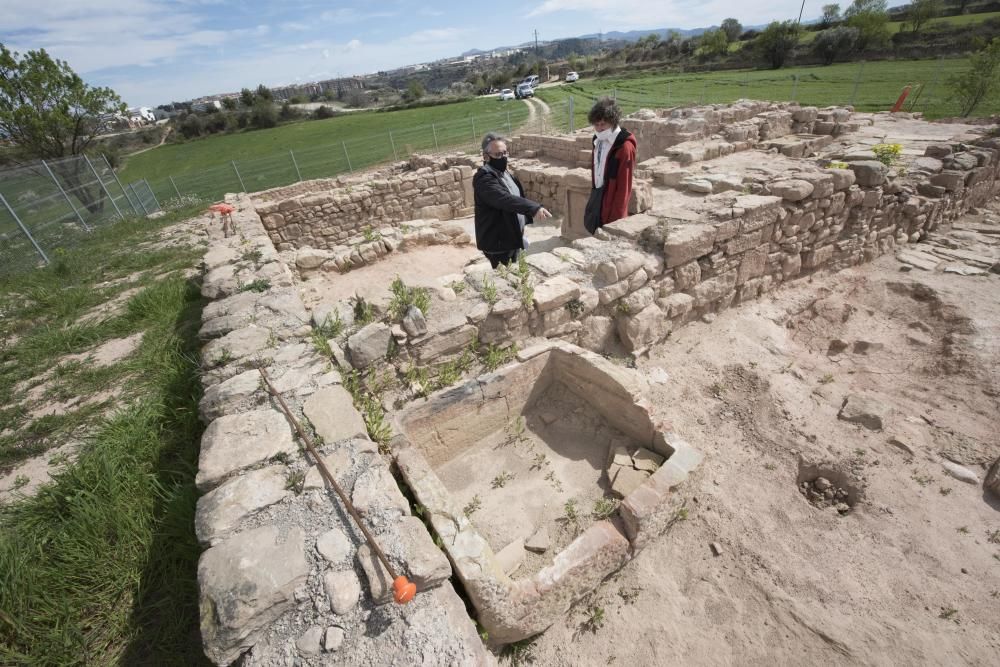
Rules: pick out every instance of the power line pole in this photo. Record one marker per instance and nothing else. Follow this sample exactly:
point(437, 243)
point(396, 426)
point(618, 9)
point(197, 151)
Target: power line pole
point(799, 22)
point(536, 42)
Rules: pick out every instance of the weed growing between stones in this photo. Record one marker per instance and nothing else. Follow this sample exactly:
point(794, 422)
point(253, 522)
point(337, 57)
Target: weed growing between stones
point(604, 508)
point(524, 288)
point(473, 506)
point(519, 653)
point(457, 286)
point(364, 312)
point(575, 308)
point(403, 297)
point(332, 326)
point(370, 235)
point(494, 357)
point(887, 154)
point(501, 480)
point(367, 395)
point(258, 285)
point(490, 294)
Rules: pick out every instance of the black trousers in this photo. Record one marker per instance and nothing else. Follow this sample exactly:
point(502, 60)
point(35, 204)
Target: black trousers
point(502, 257)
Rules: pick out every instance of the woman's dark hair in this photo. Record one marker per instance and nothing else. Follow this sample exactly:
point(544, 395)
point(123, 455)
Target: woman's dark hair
point(607, 110)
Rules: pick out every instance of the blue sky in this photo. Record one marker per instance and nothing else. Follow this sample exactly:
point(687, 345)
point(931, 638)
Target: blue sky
point(152, 52)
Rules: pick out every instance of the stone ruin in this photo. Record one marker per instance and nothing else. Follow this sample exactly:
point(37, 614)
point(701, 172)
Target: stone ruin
point(730, 202)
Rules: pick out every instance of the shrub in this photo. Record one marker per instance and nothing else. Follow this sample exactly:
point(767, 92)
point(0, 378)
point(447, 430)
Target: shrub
point(979, 81)
point(324, 112)
point(776, 43)
point(834, 42)
point(263, 115)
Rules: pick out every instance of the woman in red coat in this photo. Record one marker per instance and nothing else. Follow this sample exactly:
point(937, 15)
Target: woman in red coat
point(612, 166)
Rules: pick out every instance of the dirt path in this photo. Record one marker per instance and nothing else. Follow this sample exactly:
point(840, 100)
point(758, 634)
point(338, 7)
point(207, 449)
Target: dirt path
point(910, 575)
point(538, 115)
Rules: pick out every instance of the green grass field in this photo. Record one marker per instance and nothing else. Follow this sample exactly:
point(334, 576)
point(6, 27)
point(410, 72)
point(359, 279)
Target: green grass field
point(896, 26)
point(878, 87)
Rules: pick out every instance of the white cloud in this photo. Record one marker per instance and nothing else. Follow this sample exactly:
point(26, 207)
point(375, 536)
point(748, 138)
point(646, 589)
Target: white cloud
point(642, 14)
point(436, 35)
point(347, 15)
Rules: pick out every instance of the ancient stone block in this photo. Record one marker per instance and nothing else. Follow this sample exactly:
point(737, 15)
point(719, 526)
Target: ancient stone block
point(234, 442)
point(331, 412)
point(221, 510)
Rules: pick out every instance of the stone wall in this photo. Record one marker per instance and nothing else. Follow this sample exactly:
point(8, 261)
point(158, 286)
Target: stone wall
point(285, 577)
point(326, 219)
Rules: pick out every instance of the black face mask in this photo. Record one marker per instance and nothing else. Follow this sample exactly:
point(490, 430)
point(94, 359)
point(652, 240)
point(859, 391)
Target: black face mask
point(499, 163)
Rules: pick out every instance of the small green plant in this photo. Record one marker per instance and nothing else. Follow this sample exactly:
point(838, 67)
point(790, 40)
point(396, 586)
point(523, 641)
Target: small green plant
point(963, 529)
point(448, 374)
point(944, 490)
point(364, 312)
point(520, 652)
point(418, 379)
point(59, 459)
point(539, 462)
point(716, 389)
point(296, 482)
point(629, 595)
point(623, 308)
point(332, 325)
point(473, 506)
point(253, 256)
point(949, 614)
point(922, 480)
point(993, 537)
point(571, 516)
point(838, 165)
point(604, 508)
point(494, 357)
point(887, 154)
point(370, 234)
point(826, 379)
point(20, 482)
point(594, 620)
point(321, 344)
point(524, 287)
point(403, 297)
point(282, 457)
point(458, 286)
point(551, 478)
point(575, 308)
point(258, 285)
point(501, 480)
point(770, 466)
point(681, 514)
point(225, 356)
point(490, 294)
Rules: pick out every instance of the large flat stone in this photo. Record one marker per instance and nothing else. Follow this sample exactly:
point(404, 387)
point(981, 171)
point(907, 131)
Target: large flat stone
point(555, 292)
point(245, 584)
point(234, 442)
point(331, 412)
point(221, 510)
point(369, 344)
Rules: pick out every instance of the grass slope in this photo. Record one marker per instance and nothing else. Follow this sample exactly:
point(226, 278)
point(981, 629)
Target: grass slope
point(100, 567)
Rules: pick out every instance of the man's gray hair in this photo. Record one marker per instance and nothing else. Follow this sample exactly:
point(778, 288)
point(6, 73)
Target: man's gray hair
point(489, 139)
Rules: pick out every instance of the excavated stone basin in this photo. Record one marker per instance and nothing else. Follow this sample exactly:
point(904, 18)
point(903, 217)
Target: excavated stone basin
point(495, 460)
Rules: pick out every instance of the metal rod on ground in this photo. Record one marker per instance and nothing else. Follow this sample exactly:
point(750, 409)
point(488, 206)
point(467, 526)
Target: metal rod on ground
point(25, 230)
point(857, 82)
point(66, 196)
point(238, 176)
point(152, 194)
point(295, 164)
point(404, 590)
point(348, 156)
point(395, 156)
point(434, 130)
point(175, 186)
point(131, 186)
point(119, 182)
point(104, 187)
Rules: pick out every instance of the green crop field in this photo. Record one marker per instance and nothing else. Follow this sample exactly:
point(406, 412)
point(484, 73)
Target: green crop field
point(878, 85)
point(321, 148)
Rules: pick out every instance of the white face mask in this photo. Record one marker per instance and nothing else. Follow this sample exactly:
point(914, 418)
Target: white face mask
point(605, 135)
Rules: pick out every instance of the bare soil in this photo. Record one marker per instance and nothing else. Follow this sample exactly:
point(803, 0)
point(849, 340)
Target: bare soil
point(910, 575)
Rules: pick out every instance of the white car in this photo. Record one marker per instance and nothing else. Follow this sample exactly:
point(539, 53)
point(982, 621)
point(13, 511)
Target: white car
point(506, 94)
point(571, 77)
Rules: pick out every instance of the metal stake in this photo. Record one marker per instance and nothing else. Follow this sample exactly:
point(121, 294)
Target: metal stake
point(296, 164)
point(25, 230)
point(572, 120)
point(937, 75)
point(131, 186)
point(119, 182)
point(395, 156)
point(434, 130)
point(175, 186)
point(238, 175)
point(509, 131)
point(152, 194)
point(795, 86)
point(63, 192)
point(103, 187)
point(475, 137)
point(704, 84)
point(857, 82)
point(348, 156)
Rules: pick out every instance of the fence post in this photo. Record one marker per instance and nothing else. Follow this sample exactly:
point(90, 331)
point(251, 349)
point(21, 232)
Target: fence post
point(434, 130)
point(392, 141)
point(937, 75)
point(296, 165)
point(138, 198)
point(509, 130)
point(104, 187)
point(746, 85)
point(571, 119)
point(238, 175)
point(63, 192)
point(475, 137)
point(614, 93)
point(153, 195)
point(119, 182)
point(25, 230)
point(857, 82)
point(795, 86)
point(175, 186)
point(704, 84)
point(348, 156)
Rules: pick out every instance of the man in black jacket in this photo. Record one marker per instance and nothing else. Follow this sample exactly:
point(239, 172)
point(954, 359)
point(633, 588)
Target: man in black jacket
point(501, 209)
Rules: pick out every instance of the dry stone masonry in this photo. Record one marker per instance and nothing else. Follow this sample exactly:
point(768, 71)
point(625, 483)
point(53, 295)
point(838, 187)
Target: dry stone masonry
point(731, 201)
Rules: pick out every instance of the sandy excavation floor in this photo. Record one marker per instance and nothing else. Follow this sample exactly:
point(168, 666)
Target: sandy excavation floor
point(910, 576)
point(521, 478)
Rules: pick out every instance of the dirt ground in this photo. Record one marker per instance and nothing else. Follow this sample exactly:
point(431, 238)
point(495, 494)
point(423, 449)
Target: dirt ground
point(910, 576)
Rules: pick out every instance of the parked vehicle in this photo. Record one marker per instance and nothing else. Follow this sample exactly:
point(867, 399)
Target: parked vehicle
point(506, 94)
point(524, 90)
point(530, 80)
point(571, 77)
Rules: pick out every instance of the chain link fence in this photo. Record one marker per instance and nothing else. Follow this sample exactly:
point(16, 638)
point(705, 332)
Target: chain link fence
point(52, 204)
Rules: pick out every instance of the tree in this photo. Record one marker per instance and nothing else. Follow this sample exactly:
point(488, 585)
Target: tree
point(246, 97)
point(264, 93)
point(323, 112)
point(834, 42)
point(871, 18)
point(414, 91)
point(190, 126)
point(732, 28)
point(981, 80)
point(831, 15)
point(777, 42)
point(715, 43)
point(229, 103)
point(263, 115)
point(47, 111)
point(921, 11)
